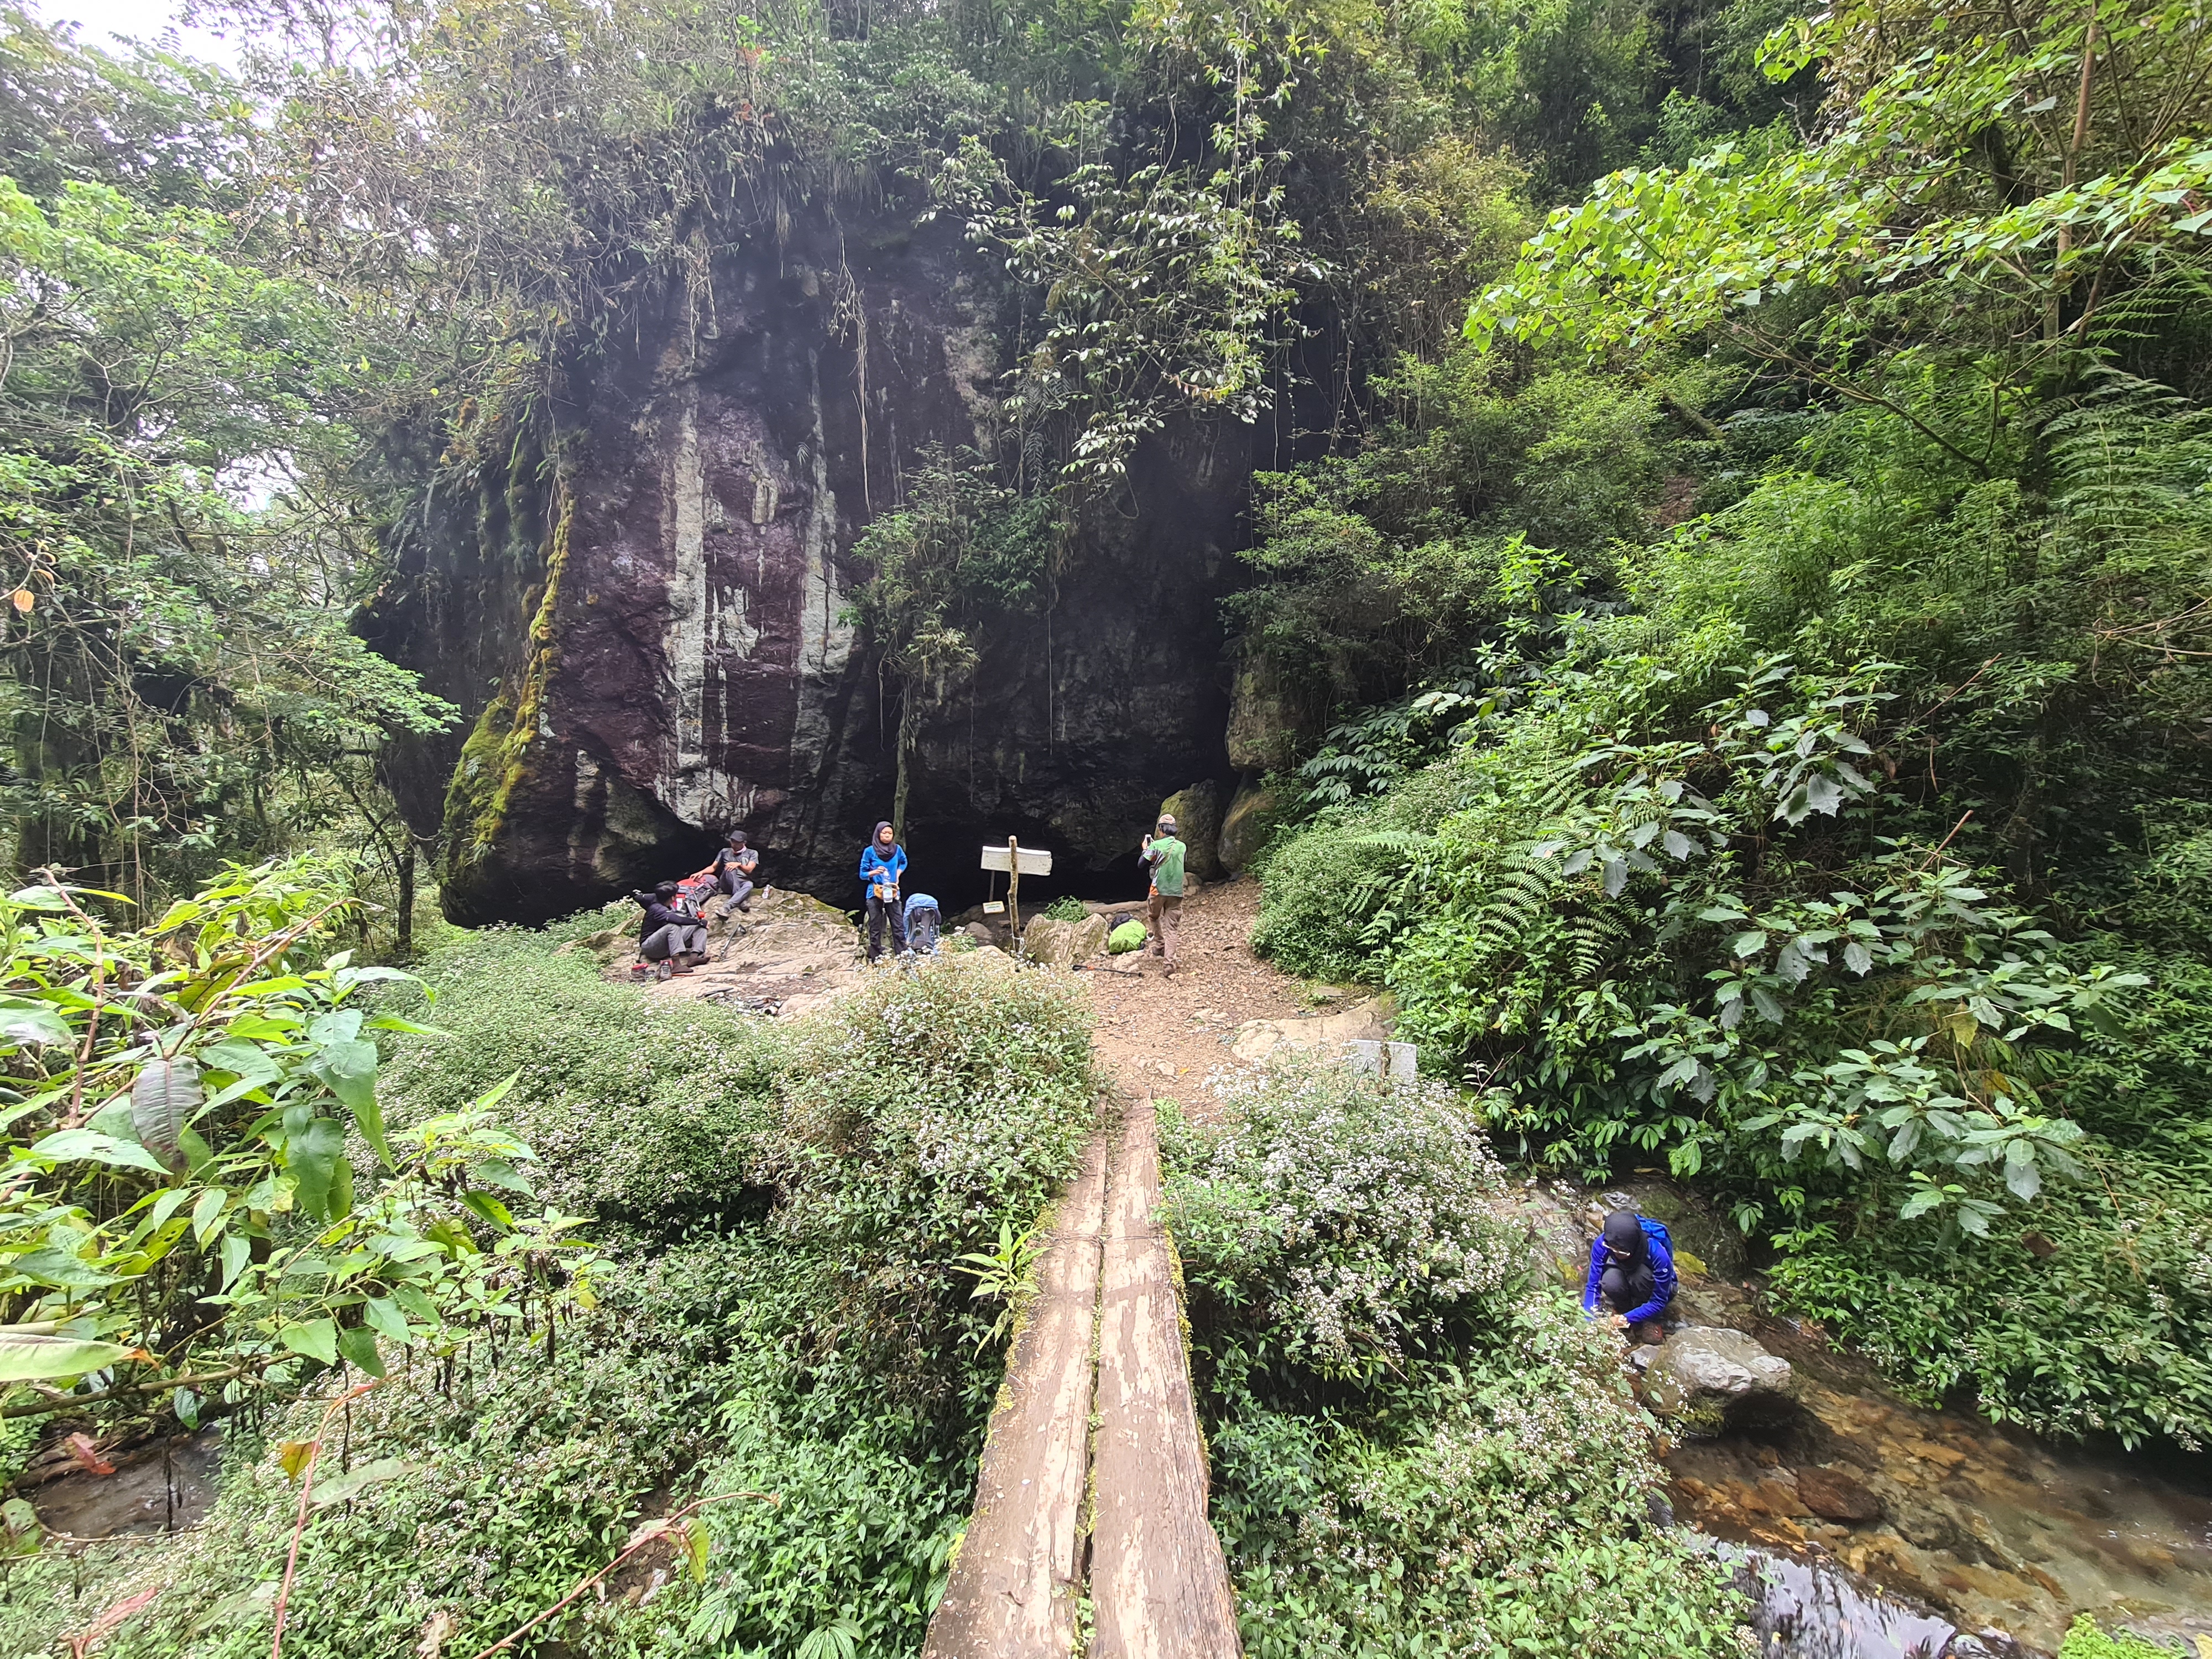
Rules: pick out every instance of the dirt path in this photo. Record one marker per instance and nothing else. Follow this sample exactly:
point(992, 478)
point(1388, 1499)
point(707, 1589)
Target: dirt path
point(1155, 1032)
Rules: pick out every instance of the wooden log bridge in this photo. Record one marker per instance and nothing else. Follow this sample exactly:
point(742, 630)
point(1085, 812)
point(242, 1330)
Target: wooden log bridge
point(1093, 1481)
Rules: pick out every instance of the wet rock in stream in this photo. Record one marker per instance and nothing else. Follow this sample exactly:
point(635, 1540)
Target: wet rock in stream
point(1704, 1372)
point(1876, 1513)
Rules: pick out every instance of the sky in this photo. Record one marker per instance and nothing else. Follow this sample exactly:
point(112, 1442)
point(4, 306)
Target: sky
point(143, 20)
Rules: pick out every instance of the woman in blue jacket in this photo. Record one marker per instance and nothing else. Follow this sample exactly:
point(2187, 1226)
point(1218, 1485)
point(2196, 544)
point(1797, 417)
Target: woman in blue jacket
point(1631, 1268)
point(883, 861)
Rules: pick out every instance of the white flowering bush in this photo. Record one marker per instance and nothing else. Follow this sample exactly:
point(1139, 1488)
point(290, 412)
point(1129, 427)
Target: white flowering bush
point(1413, 1452)
point(1355, 1217)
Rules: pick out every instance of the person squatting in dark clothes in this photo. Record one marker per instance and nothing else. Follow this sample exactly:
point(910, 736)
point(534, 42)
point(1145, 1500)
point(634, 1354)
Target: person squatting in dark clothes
point(1631, 1269)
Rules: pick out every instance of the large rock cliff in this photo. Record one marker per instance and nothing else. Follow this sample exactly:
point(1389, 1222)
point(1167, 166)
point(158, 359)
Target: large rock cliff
point(642, 616)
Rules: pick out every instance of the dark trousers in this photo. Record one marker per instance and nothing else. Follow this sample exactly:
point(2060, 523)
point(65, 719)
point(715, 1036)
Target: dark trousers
point(663, 942)
point(734, 884)
point(1625, 1288)
point(880, 911)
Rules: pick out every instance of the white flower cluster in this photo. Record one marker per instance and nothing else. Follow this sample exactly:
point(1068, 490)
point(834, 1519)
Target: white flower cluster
point(1366, 1206)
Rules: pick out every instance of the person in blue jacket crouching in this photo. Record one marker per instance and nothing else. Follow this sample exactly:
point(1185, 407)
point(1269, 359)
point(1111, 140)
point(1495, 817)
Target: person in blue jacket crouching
point(1632, 1267)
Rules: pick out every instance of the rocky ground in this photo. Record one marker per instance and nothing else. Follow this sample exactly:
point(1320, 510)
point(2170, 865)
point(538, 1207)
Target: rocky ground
point(786, 956)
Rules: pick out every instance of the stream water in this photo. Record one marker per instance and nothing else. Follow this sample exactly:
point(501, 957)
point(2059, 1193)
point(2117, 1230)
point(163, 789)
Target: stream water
point(1883, 1531)
point(1989, 1531)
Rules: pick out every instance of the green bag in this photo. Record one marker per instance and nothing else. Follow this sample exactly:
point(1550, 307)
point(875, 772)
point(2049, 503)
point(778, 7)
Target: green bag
point(1129, 936)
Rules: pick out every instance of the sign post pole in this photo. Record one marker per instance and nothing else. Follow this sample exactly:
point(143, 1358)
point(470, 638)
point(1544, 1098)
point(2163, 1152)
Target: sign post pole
point(1014, 890)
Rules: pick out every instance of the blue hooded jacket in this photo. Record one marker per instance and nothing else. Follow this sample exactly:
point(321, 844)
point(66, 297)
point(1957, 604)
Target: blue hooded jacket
point(1659, 1247)
point(876, 869)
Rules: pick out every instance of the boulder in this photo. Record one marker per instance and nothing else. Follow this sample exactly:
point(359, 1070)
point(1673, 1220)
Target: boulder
point(1324, 1034)
point(1558, 1249)
point(1834, 1496)
point(1245, 827)
point(1702, 1372)
point(1197, 813)
point(1050, 942)
point(1087, 938)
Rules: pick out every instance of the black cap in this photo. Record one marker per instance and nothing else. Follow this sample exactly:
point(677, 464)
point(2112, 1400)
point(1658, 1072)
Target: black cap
point(1624, 1234)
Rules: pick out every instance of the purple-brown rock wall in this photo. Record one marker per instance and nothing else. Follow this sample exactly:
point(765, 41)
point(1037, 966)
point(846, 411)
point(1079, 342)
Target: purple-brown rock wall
point(643, 616)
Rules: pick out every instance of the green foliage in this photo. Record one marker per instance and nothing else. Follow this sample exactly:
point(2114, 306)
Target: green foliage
point(960, 551)
point(1066, 908)
point(183, 1213)
point(166, 651)
point(2085, 1641)
point(1410, 1453)
point(1842, 849)
point(793, 1321)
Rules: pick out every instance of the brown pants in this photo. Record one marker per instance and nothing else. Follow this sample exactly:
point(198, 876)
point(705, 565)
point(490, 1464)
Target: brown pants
point(1166, 914)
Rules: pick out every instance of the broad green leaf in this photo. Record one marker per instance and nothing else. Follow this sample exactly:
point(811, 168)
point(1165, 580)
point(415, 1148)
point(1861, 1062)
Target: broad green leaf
point(163, 1100)
point(242, 1059)
point(358, 1480)
point(358, 1345)
point(318, 1339)
point(33, 1021)
point(89, 1145)
point(311, 1157)
point(27, 1357)
point(349, 1068)
point(386, 1319)
point(489, 1209)
point(207, 1211)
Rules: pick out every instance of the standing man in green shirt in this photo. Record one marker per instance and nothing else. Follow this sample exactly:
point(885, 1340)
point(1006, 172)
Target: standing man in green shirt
point(1163, 855)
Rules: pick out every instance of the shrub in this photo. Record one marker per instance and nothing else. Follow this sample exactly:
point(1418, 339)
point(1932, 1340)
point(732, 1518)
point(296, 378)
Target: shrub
point(814, 1343)
point(1410, 1454)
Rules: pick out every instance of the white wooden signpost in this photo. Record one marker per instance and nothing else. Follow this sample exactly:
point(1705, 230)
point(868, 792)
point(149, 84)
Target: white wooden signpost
point(1017, 860)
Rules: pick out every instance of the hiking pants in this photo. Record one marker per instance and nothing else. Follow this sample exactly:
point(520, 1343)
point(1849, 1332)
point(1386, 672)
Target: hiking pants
point(1165, 911)
point(1624, 1288)
point(662, 943)
point(879, 911)
point(734, 884)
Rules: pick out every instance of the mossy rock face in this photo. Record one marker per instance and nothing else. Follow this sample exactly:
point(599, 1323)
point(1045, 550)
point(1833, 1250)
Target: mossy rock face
point(657, 606)
point(1268, 726)
point(1250, 820)
point(1695, 1227)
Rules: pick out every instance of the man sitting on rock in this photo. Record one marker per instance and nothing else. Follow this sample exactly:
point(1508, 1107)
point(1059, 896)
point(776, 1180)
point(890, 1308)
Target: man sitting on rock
point(672, 938)
point(1631, 1267)
point(734, 868)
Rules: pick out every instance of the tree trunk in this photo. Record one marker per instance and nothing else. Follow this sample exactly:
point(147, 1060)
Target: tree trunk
point(405, 943)
point(907, 722)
